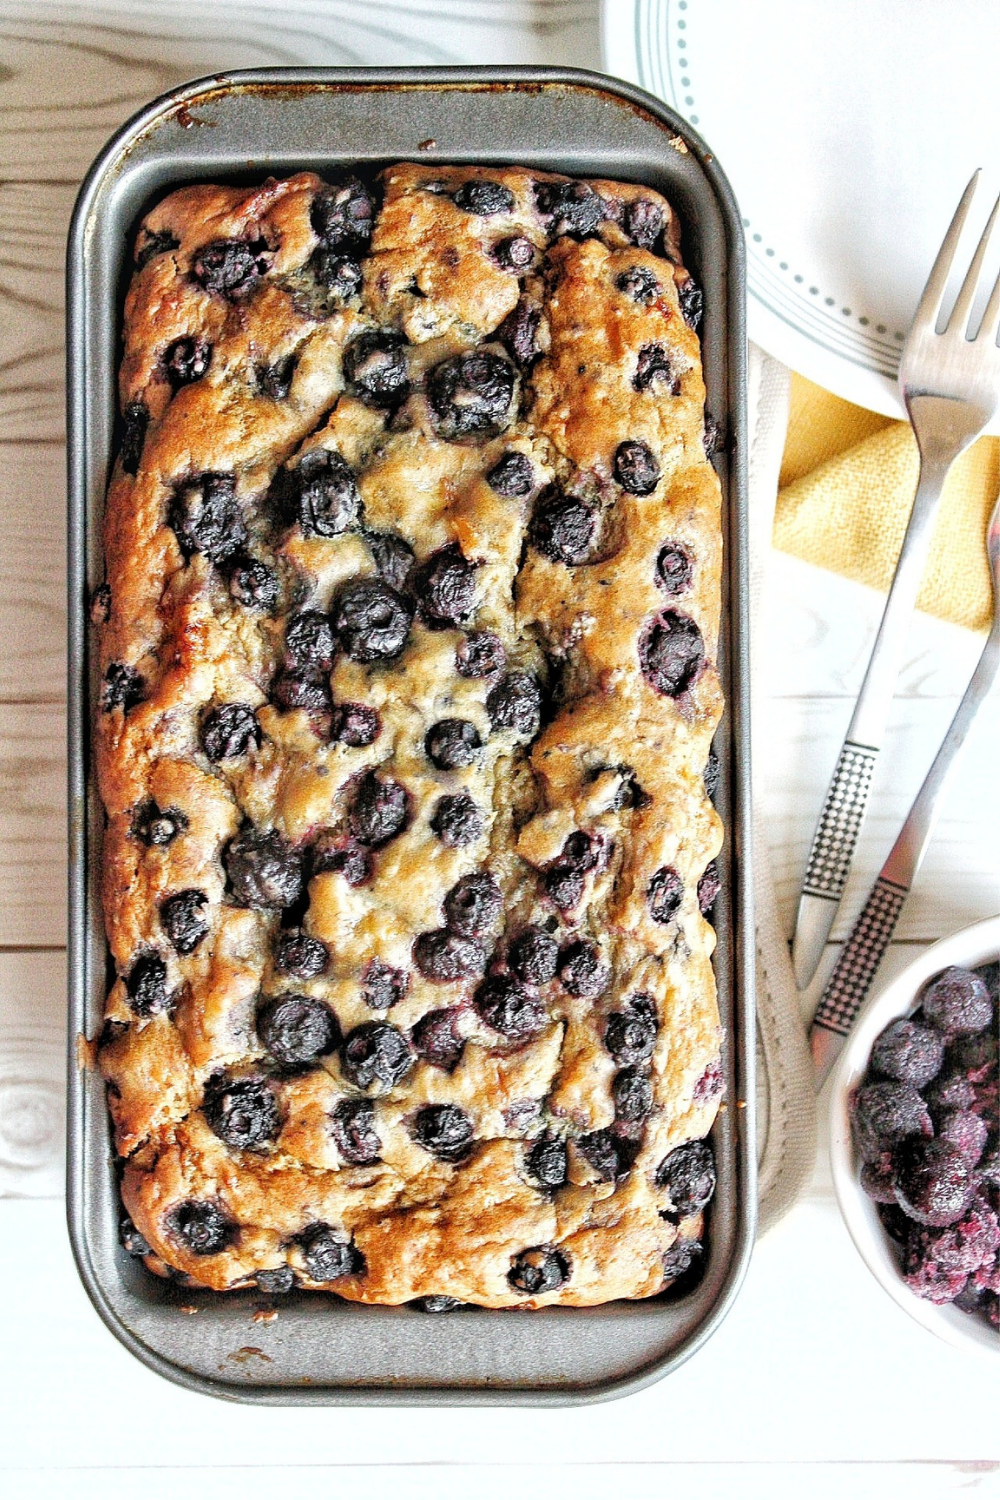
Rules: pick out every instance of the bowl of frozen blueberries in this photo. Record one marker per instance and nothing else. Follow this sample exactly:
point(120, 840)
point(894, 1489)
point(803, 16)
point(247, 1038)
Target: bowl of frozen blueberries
point(914, 1138)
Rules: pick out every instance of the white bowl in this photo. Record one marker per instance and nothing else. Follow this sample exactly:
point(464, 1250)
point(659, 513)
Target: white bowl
point(973, 946)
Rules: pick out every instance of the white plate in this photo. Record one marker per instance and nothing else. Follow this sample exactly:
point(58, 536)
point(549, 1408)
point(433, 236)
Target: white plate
point(848, 129)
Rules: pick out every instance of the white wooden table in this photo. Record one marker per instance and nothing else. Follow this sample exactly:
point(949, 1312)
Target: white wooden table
point(816, 1384)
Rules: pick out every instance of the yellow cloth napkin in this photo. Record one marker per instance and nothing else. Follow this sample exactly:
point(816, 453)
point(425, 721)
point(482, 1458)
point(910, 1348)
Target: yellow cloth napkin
point(847, 482)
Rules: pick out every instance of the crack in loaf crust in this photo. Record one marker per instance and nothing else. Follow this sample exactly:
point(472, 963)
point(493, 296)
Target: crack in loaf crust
point(408, 686)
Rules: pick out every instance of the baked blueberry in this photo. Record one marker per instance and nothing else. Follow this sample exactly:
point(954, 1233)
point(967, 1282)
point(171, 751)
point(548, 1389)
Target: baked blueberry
point(571, 207)
point(444, 1130)
point(474, 905)
point(253, 584)
point(480, 654)
point(445, 956)
point(372, 620)
point(609, 1154)
point(135, 420)
point(671, 652)
point(231, 268)
point(711, 773)
point(275, 1281)
point(322, 494)
point(309, 642)
point(452, 743)
point(630, 1034)
point(519, 333)
point(674, 569)
point(375, 365)
point(709, 887)
point(132, 1242)
point(292, 690)
point(957, 1002)
point(157, 828)
point(123, 688)
point(515, 704)
point(265, 871)
point(639, 283)
point(445, 587)
point(687, 1175)
point(243, 1112)
point(343, 215)
point(908, 1052)
point(564, 885)
point(206, 517)
point(186, 360)
point(296, 1029)
point(436, 1038)
point(539, 1270)
point(355, 724)
point(512, 476)
point(153, 242)
point(146, 986)
point(516, 253)
point(354, 1133)
point(457, 821)
point(510, 1008)
point(664, 894)
point(562, 528)
point(201, 1226)
point(582, 971)
point(393, 558)
point(884, 1114)
point(436, 1304)
point(632, 1094)
point(471, 396)
point(654, 368)
point(682, 1256)
point(299, 955)
point(710, 1084)
point(382, 986)
point(329, 1255)
point(934, 1181)
point(642, 221)
point(100, 604)
point(184, 920)
point(548, 1161)
point(712, 440)
point(484, 198)
point(534, 956)
point(379, 811)
point(342, 855)
point(691, 302)
point(340, 274)
point(275, 380)
point(636, 468)
point(375, 1053)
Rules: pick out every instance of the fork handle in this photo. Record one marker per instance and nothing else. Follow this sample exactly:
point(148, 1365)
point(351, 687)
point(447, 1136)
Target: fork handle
point(855, 970)
point(846, 800)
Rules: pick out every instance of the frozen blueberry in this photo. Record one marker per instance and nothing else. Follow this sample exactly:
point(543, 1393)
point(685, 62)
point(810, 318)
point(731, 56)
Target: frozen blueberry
point(534, 956)
point(186, 360)
point(609, 1155)
point(967, 1132)
point(687, 1175)
point(452, 743)
point(202, 1227)
point(436, 1039)
point(299, 955)
point(206, 517)
point(480, 654)
point(355, 724)
point(630, 1034)
point(276, 1281)
point(548, 1161)
point(444, 956)
point(515, 253)
point(484, 198)
point(146, 986)
point(582, 971)
point(572, 207)
point(132, 1242)
point(711, 773)
point(296, 1029)
point(457, 821)
point(654, 367)
point(689, 296)
point(135, 420)
point(937, 1260)
point(636, 467)
point(908, 1052)
point(519, 333)
point(632, 1094)
point(512, 476)
point(382, 986)
point(643, 222)
point(515, 703)
point(342, 855)
point(885, 1113)
point(539, 1270)
point(664, 894)
point(510, 1007)
point(253, 584)
point(375, 1053)
point(473, 906)
point(265, 871)
point(957, 1002)
point(343, 215)
point(324, 493)
point(372, 620)
point(301, 690)
point(471, 396)
point(375, 365)
point(949, 1091)
point(977, 1050)
point(328, 1255)
point(184, 921)
point(275, 380)
point(709, 887)
point(393, 558)
point(674, 569)
point(934, 1181)
point(671, 652)
point(340, 274)
point(878, 1180)
point(562, 528)
point(354, 1133)
point(639, 283)
point(231, 268)
point(681, 1258)
point(157, 828)
point(243, 1112)
point(123, 688)
point(380, 810)
point(153, 242)
point(444, 1130)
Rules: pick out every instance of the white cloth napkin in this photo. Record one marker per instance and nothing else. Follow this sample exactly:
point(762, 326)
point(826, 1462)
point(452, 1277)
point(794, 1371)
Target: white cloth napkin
point(786, 1094)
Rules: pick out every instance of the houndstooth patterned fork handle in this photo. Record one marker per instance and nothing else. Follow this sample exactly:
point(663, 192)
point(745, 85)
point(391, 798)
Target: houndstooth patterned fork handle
point(856, 968)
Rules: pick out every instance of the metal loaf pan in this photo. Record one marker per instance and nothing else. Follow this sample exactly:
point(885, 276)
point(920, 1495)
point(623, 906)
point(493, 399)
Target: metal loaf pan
point(242, 127)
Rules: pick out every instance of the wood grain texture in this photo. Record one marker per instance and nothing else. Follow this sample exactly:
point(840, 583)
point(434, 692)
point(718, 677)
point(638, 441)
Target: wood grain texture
point(32, 826)
point(34, 218)
point(32, 572)
point(32, 1074)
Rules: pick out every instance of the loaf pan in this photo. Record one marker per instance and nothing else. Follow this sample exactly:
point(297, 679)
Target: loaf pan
point(241, 127)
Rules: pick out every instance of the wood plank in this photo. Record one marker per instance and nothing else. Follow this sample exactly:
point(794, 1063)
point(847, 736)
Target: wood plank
point(32, 826)
point(32, 573)
point(32, 1074)
point(34, 218)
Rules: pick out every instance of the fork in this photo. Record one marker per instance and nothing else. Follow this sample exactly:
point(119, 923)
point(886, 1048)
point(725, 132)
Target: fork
point(864, 949)
point(950, 383)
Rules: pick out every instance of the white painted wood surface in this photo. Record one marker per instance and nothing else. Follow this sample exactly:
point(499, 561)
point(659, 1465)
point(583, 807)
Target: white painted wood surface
point(815, 1372)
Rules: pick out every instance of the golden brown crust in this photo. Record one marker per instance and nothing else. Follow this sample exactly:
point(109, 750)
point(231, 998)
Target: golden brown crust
point(236, 389)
